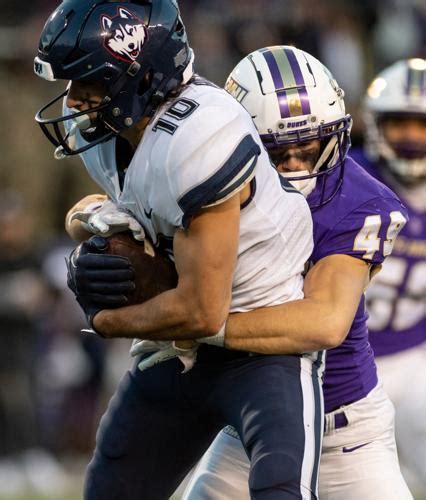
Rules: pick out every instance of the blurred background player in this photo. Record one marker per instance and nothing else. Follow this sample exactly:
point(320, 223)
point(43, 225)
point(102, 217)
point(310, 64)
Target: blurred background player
point(299, 111)
point(395, 153)
point(27, 460)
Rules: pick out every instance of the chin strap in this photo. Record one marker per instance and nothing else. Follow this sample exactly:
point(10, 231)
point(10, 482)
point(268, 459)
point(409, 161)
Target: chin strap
point(330, 153)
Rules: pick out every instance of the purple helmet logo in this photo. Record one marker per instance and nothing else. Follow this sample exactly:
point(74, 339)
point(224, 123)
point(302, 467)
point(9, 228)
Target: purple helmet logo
point(124, 35)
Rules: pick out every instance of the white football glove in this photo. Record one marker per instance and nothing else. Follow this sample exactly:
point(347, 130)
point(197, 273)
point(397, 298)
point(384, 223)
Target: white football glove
point(106, 219)
point(143, 346)
point(163, 351)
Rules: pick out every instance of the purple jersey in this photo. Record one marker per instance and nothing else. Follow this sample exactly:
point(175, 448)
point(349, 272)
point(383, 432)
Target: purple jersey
point(396, 297)
point(362, 221)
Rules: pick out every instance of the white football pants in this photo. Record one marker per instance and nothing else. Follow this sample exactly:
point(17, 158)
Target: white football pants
point(404, 379)
point(358, 461)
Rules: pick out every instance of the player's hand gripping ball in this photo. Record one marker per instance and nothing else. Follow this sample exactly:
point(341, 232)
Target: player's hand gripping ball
point(154, 273)
point(106, 273)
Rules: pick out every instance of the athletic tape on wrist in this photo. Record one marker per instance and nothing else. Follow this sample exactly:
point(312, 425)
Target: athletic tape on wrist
point(93, 207)
point(89, 209)
point(217, 340)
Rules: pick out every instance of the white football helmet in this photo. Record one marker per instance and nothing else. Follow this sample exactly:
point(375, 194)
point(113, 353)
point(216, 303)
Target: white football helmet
point(397, 92)
point(293, 98)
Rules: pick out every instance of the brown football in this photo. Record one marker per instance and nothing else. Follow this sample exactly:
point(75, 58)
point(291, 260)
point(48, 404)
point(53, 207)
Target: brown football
point(154, 272)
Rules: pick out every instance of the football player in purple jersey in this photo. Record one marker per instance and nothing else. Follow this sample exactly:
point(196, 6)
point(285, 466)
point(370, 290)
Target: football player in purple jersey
point(395, 153)
point(299, 111)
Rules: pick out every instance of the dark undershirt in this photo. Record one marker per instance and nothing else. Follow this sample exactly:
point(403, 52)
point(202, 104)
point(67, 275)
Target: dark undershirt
point(123, 156)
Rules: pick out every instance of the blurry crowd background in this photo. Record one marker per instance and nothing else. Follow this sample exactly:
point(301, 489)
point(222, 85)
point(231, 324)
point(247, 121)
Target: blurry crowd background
point(54, 381)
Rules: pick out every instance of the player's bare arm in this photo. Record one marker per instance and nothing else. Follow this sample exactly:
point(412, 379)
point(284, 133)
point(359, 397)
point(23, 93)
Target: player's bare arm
point(74, 227)
point(321, 320)
point(205, 257)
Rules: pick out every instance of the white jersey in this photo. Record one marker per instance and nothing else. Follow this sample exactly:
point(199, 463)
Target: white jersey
point(199, 150)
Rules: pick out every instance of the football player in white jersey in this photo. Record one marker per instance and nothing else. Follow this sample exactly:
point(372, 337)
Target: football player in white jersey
point(185, 160)
point(395, 153)
point(299, 110)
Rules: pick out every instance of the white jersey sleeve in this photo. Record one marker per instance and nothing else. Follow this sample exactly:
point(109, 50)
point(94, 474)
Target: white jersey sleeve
point(210, 156)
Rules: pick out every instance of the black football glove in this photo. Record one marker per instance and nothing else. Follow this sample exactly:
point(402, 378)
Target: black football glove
point(99, 280)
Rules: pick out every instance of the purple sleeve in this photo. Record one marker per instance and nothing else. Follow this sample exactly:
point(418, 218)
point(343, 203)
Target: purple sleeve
point(366, 232)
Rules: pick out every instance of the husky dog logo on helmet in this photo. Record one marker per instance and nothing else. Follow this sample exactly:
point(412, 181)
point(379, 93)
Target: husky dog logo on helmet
point(124, 35)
